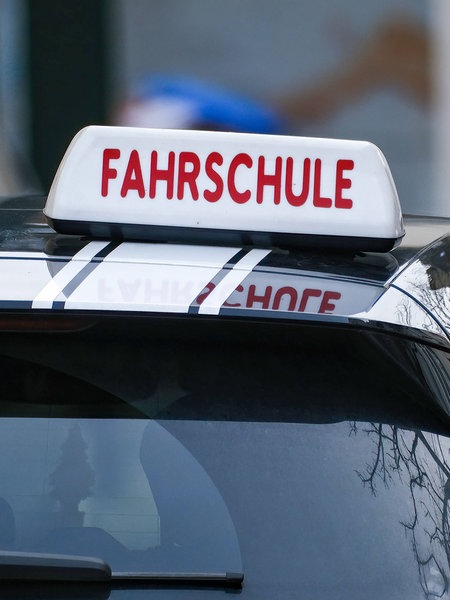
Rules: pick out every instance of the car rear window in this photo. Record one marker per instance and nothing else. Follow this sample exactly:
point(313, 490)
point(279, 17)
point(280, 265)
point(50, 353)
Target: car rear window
point(176, 445)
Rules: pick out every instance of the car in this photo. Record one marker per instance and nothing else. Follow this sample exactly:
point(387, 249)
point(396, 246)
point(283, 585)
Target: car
point(225, 366)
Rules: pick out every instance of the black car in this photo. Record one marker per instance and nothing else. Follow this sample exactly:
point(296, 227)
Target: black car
point(267, 415)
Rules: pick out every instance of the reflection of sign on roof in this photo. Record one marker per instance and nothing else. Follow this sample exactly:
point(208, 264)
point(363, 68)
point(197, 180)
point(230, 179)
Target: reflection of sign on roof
point(295, 294)
point(137, 183)
point(175, 288)
point(175, 278)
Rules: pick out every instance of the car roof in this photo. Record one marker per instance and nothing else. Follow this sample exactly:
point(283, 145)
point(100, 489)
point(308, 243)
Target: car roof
point(405, 290)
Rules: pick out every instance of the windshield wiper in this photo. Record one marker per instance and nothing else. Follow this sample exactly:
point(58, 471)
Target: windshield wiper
point(26, 567)
point(30, 566)
point(225, 580)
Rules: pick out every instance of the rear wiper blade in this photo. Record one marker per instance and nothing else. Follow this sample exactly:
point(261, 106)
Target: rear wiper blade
point(226, 580)
point(31, 566)
point(26, 567)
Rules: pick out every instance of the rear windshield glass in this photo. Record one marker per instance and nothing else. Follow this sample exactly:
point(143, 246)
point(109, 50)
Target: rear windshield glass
point(165, 445)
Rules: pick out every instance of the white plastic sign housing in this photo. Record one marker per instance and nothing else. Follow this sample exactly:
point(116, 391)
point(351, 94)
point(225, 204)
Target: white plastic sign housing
point(168, 185)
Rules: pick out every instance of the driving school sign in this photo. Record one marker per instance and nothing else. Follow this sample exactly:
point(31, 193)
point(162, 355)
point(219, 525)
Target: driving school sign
point(193, 182)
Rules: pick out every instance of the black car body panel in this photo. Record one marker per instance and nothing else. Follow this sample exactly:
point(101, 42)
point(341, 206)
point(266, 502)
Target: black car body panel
point(296, 432)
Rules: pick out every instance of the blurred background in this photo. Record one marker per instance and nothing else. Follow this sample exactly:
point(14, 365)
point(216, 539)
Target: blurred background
point(376, 70)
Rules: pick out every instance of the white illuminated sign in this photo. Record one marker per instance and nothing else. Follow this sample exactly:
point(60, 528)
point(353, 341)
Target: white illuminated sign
point(134, 182)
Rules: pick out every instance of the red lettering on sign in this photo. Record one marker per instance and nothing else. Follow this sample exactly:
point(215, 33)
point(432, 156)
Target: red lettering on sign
point(307, 294)
point(327, 302)
point(213, 159)
point(285, 291)
point(326, 306)
point(235, 304)
point(318, 200)
point(343, 183)
point(161, 174)
point(188, 176)
point(252, 298)
point(205, 293)
point(107, 171)
point(193, 176)
point(238, 160)
point(300, 199)
point(209, 288)
point(133, 176)
point(269, 180)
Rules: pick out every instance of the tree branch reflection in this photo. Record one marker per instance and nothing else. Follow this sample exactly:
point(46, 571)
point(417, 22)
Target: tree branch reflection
point(418, 460)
